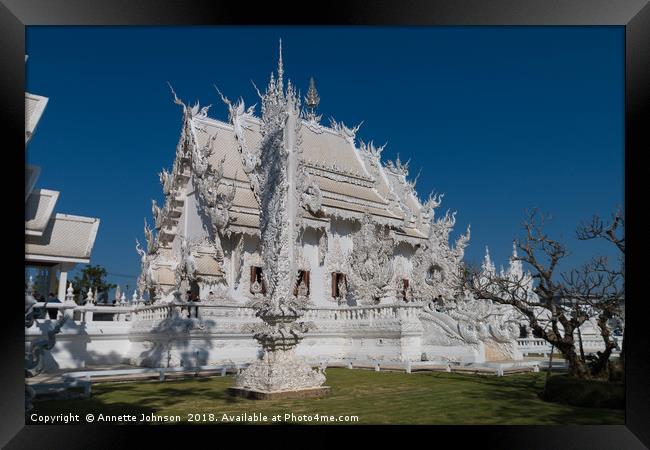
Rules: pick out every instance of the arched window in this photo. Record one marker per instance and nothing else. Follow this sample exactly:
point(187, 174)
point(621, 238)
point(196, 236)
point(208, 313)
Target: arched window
point(405, 287)
point(303, 277)
point(336, 279)
point(256, 275)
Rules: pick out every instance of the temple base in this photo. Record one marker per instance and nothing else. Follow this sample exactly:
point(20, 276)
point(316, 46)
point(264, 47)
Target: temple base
point(314, 392)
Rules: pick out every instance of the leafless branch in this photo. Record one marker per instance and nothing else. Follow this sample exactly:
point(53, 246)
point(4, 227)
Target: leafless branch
point(613, 232)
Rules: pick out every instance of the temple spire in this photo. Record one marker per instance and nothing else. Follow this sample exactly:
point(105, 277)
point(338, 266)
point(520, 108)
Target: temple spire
point(488, 265)
point(312, 99)
point(280, 69)
point(516, 267)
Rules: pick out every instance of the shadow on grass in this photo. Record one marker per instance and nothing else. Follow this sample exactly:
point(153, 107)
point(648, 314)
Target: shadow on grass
point(518, 397)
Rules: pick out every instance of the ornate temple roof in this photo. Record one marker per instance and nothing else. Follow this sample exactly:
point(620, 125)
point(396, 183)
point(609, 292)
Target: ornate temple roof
point(330, 157)
point(304, 173)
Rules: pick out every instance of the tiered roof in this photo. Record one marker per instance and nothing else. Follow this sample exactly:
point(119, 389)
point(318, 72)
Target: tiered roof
point(332, 160)
point(51, 238)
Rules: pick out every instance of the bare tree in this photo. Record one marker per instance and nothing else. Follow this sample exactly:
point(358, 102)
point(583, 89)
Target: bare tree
point(563, 302)
point(613, 232)
point(602, 286)
point(548, 316)
point(598, 289)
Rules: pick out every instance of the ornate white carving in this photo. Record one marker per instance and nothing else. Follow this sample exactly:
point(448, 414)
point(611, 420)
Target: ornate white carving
point(283, 190)
point(338, 173)
point(370, 279)
point(152, 242)
point(349, 134)
point(279, 371)
point(186, 268)
point(147, 277)
point(314, 125)
point(213, 201)
point(239, 116)
point(238, 260)
point(322, 247)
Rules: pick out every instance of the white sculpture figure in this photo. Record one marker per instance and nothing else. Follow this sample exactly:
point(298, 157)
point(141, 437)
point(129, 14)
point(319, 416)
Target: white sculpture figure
point(215, 202)
point(69, 294)
point(186, 269)
point(303, 292)
point(322, 248)
point(343, 291)
point(152, 245)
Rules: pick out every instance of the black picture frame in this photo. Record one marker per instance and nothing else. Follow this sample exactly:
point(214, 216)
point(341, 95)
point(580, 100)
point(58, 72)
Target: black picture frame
point(634, 15)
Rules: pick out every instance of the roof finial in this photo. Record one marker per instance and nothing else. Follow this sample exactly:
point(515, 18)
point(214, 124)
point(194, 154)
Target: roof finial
point(312, 99)
point(280, 68)
point(488, 266)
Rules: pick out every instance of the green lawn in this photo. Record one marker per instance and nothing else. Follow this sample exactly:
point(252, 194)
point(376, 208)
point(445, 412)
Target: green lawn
point(375, 397)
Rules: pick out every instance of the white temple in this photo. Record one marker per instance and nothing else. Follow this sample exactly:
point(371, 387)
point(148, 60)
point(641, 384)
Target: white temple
point(364, 238)
point(282, 206)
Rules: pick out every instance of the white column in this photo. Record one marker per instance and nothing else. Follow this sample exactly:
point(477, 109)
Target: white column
point(63, 284)
point(64, 268)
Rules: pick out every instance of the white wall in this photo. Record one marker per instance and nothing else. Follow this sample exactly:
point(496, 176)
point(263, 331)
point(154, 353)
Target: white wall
point(383, 334)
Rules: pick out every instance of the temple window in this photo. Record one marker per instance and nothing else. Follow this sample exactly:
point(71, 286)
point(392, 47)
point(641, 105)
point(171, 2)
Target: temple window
point(405, 287)
point(303, 277)
point(256, 275)
point(337, 278)
point(435, 274)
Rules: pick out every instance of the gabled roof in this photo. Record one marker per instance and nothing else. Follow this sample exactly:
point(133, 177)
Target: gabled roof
point(66, 238)
point(332, 161)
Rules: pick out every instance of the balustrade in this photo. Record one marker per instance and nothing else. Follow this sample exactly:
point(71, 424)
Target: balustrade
point(138, 312)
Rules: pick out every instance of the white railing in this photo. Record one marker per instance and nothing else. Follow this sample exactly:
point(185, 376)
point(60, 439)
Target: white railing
point(159, 312)
point(589, 345)
point(357, 313)
point(162, 311)
point(86, 313)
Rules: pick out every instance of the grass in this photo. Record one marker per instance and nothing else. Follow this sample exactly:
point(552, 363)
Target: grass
point(375, 397)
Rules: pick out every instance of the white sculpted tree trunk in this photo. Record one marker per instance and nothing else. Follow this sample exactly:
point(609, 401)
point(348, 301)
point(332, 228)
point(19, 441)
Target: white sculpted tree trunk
point(279, 184)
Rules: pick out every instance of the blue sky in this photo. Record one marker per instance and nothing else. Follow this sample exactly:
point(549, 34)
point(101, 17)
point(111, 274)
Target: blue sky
point(500, 119)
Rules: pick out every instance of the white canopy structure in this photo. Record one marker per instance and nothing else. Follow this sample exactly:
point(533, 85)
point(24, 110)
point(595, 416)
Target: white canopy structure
point(54, 242)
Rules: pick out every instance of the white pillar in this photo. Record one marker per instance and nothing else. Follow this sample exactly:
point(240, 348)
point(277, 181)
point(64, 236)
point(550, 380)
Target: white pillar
point(63, 282)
